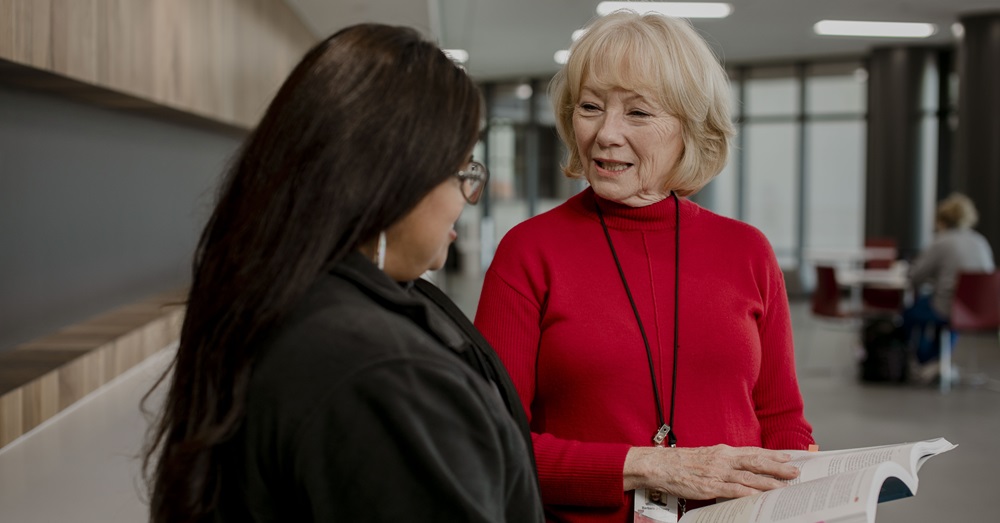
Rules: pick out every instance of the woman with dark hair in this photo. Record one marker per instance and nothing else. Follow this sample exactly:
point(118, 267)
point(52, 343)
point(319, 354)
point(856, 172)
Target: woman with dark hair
point(317, 378)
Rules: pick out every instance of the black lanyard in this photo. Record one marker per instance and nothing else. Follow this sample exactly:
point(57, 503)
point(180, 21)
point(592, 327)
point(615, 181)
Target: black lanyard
point(666, 430)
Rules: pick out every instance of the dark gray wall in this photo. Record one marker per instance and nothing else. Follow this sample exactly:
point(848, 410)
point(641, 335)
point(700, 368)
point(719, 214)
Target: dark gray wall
point(979, 122)
point(98, 208)
point(893, 190)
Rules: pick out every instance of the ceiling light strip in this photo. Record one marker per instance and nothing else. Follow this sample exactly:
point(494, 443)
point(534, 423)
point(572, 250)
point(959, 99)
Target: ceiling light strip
point(678, 9)
point(876, 29)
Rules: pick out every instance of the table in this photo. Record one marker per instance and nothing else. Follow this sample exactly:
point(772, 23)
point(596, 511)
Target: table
point(894, 278)
point(849, 256)
point(857, 279)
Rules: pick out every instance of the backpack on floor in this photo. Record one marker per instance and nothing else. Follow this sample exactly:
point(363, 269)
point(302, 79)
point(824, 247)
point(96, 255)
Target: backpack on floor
point(886, 352)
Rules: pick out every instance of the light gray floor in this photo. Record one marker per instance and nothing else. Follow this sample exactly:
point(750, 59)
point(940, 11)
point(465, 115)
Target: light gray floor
point(957, 486)
point(82, 467)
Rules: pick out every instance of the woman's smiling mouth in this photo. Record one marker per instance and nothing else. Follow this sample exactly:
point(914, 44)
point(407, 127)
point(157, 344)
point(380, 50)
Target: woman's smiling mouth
point(612, 166)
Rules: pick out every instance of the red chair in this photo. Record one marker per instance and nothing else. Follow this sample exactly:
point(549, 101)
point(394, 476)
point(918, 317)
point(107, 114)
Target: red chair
point(975, 308)
point(826, 295)
point(876, 298)
point(881, 263)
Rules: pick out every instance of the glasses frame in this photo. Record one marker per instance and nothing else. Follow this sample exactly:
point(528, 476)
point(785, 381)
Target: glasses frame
point(473, 177)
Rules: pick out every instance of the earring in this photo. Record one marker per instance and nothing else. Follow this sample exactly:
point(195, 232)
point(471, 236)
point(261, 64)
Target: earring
point(379, 257)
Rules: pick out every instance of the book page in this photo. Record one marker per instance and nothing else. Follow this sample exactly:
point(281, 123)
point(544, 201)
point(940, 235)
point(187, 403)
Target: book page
point(833, 486)
point(815, 465)
point(910, 456)
point(924, 450)
point(850, 494)
point(733, 511)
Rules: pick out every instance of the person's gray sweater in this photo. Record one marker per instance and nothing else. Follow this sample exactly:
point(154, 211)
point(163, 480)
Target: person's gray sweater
point(951, 252)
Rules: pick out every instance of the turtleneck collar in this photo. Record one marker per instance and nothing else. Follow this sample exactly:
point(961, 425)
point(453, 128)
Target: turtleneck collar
point(659, 215)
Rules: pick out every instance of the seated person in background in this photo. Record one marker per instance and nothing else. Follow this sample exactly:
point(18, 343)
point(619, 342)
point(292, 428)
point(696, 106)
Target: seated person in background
point(933, 275)
point(317, 378)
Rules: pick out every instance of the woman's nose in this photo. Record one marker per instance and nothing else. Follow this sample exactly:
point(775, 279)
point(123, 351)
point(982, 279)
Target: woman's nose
point(610, 132)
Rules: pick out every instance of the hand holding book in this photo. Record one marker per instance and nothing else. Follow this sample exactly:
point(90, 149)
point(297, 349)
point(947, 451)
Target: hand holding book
point(841, 485)
point(708, 472)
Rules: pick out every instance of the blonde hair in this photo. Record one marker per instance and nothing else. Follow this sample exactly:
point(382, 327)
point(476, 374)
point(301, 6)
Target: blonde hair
point(663, 58)
point(957, 212)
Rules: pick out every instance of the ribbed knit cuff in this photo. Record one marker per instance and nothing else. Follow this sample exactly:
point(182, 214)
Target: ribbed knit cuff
point(580, 474)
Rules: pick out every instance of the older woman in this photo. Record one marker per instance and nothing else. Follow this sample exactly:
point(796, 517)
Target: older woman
point(934, 274)
point(632, 320)
point(317, 379)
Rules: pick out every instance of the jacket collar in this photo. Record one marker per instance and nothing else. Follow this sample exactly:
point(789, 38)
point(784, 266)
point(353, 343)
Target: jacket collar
point(400, 298)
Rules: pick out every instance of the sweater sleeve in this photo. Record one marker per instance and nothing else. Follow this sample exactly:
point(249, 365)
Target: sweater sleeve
point(570, 472)
point(777, 398)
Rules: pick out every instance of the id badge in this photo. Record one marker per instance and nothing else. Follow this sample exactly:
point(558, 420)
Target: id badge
point(653, 506)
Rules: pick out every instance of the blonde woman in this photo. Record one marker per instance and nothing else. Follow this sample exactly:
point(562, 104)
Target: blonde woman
point(648, 338)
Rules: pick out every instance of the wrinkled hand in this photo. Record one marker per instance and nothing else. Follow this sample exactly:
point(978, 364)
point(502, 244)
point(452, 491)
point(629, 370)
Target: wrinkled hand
point(720, 471)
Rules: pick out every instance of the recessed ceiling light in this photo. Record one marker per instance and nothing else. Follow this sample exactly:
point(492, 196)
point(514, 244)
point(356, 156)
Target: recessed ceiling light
point(878, 29)
point(578, 33)
point(958, 30)
point(457, 55)
point(523, 92)
point(679, 9)
point(561, 56)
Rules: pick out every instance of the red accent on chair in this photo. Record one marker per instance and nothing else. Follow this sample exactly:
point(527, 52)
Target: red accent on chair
point(826, 295)
point(975, 308)
point(874, 297)
point(881, 263)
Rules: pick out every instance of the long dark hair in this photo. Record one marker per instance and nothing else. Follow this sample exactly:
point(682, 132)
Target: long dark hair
point(369, 122)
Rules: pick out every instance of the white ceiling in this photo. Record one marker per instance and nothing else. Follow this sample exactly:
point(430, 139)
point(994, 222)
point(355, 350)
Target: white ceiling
point(517, 38)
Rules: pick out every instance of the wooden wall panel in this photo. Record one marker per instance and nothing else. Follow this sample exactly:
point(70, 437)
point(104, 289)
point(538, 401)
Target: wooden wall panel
point(40, 400)
point(25, 29)
point(74, 39)
point(56, 371)
point(219, 59)
point(11, 416)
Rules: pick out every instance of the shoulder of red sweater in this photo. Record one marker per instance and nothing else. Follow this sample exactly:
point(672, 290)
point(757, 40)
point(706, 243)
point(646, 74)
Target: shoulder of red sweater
point(729, 226)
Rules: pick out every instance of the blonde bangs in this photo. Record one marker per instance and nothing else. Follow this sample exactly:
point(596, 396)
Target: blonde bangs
point(619, 60)
point(666, 61)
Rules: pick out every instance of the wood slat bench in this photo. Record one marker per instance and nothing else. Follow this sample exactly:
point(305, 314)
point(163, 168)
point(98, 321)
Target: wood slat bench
point(43, 377)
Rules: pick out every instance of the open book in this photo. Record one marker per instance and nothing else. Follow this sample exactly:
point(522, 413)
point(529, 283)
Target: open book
point(833, 486)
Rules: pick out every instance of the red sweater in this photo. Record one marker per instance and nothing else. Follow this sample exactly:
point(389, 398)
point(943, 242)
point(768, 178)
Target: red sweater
point(554, 308)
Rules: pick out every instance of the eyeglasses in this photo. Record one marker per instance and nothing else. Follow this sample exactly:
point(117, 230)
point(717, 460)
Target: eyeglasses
point(473, 177)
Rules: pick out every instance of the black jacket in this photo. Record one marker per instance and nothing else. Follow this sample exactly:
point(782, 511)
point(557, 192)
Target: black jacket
point(379, 402)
